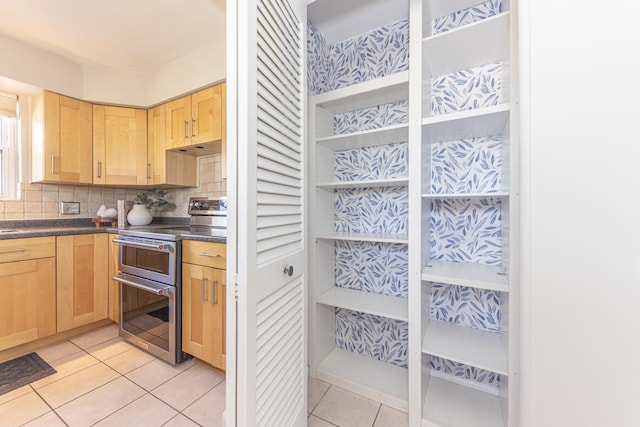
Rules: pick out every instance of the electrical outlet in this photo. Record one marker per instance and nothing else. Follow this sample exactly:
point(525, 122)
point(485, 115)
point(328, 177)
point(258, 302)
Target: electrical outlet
point(69, 208)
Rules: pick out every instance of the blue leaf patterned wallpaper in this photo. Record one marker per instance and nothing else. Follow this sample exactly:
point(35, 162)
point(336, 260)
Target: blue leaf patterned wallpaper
point(370, 163)
point(373, 336)
point(471, 307)
point(467, 89)
point(465, 230)
point(317, 61)
point(466, 16)
point(371, 118)
point(380, 268)
point(466, 166)
point(465, 372)
point(372, 210)
point(375, 54)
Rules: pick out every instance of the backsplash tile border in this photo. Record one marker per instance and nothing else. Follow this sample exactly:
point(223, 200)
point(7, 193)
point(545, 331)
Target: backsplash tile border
point(41, 201)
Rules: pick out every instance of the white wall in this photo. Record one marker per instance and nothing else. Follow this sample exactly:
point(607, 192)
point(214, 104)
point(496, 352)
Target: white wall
point(27, 64)
point(580, 191)
point(197, 69)
point(103, 85)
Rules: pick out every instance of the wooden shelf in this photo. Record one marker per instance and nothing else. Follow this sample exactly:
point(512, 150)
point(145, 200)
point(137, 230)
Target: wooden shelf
point(465, 274)
point(365, 237)
point(391, 88)
point(366, 138)
point(496, 195)
point(372, 378)
point(486, 121)
point(468, 46)
point(454, 405)
point(366, 302)
point(473, 347)
point(392, 182)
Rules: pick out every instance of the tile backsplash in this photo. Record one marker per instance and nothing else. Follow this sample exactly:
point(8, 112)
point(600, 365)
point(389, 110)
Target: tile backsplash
point(41, 201)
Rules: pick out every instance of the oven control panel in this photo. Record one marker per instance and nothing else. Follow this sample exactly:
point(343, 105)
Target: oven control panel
point(208, 206)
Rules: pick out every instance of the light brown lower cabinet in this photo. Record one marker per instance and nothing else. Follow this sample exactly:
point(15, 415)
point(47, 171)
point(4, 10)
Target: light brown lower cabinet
point(28, 289)
point(204, 312)
point(114, 287)
point(83, 283)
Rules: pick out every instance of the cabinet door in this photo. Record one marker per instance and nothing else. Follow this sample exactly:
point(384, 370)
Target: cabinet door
point(27, 306)
point(167, 167)
point(223, 114)
point(178, 125)
point(114, 287)
point(156, 145)
point(82, 289)
point(208, 254)
point(119, 146)
point(203, 301)
point(206, 115)
point(61, 139)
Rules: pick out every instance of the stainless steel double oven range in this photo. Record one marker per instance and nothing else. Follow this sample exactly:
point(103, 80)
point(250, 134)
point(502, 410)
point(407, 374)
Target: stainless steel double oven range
point(149, 263)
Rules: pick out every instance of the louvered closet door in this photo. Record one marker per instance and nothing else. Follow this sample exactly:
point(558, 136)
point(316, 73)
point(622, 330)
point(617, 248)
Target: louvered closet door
point(268, 84)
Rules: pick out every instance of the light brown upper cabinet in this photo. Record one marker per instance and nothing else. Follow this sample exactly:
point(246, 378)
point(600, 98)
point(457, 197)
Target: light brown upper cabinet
point(195, 119)
point(167, 167)
point(61, 139)
point(120, 146)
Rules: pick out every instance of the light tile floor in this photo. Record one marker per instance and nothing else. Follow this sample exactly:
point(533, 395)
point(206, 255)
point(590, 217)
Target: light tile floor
point(330, 405)
point(103, 381)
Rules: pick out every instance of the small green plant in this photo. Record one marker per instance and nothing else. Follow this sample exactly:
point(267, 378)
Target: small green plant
point(153, 199)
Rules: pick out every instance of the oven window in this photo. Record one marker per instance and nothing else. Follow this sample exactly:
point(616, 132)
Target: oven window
point(146, 315)
point(146, 259)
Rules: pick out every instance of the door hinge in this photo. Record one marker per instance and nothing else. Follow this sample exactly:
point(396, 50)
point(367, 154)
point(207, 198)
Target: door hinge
point(235, 288)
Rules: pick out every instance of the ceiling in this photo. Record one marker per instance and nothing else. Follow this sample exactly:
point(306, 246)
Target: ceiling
point(124, 35)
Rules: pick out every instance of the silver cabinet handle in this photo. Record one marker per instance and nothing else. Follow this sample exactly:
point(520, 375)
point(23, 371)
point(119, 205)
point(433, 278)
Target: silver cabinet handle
point(193, 127)
point(143, 245)
point(148, 170)
point(160, 290)
point(213, 292)
point(186, 123)
point(53, 164)
point(210, 255)
point(202, 285)
point(9, 251)
point(99, 169)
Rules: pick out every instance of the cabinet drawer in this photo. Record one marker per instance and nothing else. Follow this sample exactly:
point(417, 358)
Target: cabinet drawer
point(25, 249)
point(205, 253)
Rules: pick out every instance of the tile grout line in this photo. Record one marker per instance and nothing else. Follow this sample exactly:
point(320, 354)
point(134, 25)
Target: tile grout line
point(377, 414)
point(321, 397)
point(50, 407)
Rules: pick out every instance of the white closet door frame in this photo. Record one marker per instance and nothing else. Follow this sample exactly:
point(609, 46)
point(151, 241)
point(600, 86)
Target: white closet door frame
point(266, 131)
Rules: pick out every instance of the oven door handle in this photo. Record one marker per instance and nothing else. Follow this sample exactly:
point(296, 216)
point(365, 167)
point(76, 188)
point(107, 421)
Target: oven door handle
point(160, 290)
point(142, 245)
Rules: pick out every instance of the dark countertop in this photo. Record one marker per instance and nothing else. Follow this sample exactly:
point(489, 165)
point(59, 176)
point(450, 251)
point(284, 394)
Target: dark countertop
point(64, 227)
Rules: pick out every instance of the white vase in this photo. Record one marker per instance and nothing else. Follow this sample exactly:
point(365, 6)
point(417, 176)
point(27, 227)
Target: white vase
point(139, 215)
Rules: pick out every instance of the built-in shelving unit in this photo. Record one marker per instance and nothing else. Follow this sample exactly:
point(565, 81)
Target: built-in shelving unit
point(453, 241)
point(467, 178)
point(448, 403)
point(366, 302)
point(473, 347)
point(460, 274)
point(378, 379)
point(392, 182)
